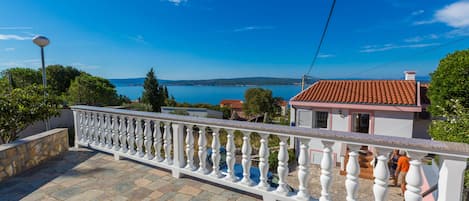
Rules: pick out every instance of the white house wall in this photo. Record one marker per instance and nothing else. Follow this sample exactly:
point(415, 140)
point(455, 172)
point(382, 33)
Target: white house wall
point(391, 123)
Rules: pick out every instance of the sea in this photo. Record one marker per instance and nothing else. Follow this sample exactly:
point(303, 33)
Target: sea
point(211, 94)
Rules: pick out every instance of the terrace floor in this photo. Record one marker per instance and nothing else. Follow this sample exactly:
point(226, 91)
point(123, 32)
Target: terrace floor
point(83, 174)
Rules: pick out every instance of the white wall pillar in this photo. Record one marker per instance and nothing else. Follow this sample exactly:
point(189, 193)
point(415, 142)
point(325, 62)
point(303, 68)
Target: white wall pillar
point(178, 152)
point(451, 178)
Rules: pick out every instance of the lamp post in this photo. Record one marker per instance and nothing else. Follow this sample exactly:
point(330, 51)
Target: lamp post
point(42, 42)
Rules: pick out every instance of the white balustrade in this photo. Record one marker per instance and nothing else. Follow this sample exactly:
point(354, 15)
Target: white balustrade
point(157, 141)
point(215, 153)
point(140, 136)
point(303, 170)
point(202, 142)
point(148, 141)
point(264, 162)
point(353, 172)
point(282, 168)
point(190, 148)
point(326, 171)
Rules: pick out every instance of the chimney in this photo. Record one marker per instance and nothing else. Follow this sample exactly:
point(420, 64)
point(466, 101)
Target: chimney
point(409, 75)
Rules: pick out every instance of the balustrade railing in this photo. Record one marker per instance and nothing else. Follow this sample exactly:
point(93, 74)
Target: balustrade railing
point(168, 141)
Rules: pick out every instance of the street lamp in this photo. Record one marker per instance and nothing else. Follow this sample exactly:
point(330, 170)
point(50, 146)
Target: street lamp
point(42, 41)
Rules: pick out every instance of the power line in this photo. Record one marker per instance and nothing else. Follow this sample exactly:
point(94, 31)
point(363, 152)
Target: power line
point(322, 38)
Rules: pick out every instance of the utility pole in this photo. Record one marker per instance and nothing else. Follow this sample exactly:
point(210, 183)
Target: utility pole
point(303, 82)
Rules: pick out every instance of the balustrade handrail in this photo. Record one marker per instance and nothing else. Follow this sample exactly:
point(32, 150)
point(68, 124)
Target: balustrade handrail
point(411, 144)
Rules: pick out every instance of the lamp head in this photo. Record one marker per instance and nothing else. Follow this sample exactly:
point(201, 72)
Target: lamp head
point(41, 41)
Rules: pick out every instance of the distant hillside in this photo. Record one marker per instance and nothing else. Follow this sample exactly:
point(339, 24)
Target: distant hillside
point(248, 81)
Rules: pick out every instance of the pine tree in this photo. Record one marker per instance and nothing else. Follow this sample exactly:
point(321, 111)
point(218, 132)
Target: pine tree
point(153, 93)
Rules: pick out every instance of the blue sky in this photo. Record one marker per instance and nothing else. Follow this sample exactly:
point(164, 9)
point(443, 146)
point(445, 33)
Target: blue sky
point(200, 39)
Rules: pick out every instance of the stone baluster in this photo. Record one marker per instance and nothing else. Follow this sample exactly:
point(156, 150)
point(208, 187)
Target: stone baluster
point(131, 135)
point(157, 141)
point(246, 150)
point(79, 131)
point(202, 142)
point(414, 178)
point(123, 134)
point(381, 174)
point(264, 162)
point(84, 129)
point(115, 132)
point(282, 168)
point(230, 156)
point(98, 130)
point(326, 171)
point(303, 172)
point(451, 167)
point(216, 153)
point(139, 137)
point(353, 172)
point(167, 143)
point(109, 131)
point(190, 148)
point(148, 143)
point(92, 130)
point(102, 136)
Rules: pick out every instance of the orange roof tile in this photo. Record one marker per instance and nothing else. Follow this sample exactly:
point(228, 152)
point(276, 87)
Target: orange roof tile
point(378, 92)
point(234, 104)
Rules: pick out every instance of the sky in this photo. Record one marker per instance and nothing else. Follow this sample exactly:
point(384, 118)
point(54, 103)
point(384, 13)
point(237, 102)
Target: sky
point(204, 39)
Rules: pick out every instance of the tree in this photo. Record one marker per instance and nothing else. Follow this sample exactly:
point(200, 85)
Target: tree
point(453, 125)
point(91, 90)
point(59, 78)
point(153, 94)
point(22, 77)
point(21, 107)
point(450, 81)
point(258, 101)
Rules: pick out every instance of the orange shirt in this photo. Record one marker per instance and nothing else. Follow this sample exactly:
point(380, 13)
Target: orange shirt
point(403, 163)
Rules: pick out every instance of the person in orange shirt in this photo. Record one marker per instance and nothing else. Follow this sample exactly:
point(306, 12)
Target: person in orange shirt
point(402, 169)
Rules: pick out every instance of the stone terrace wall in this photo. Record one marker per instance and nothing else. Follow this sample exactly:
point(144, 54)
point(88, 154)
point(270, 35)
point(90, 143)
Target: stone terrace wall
point(26, 153)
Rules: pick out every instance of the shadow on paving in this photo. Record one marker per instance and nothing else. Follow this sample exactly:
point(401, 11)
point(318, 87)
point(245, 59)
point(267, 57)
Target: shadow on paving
point(21, 185)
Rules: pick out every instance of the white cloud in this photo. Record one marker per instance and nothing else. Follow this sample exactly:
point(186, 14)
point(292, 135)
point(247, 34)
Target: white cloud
point(326, 55)
point(139, 39)
point(9, 49)
point(417, 39)
point(13, 37)
point(455, 15)
point(29, 63)
point(82, 66)
point(253, 28)
point(15, 28)
point(386, 47)
point(177, 2)
point(417, 12)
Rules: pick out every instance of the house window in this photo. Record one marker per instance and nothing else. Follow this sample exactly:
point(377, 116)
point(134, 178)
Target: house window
point(321, 119)
point(361, 122)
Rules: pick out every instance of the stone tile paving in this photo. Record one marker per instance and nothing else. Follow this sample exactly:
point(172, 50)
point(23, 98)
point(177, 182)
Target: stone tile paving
point(82, 175)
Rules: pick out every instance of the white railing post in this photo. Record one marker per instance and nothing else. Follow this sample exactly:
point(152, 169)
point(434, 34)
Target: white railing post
point(451, 178)
point(178, 152)
point(83, 126)
point(414, 177)
point(353, 172)
point(108, 132)
point(77, 125)
point(139, 138)
point(202, 142)
point(216, 153)
point(115, 132)
point(167, 143)
point(303, 173)
point(157, 141)
point(131, 135)
point(87, 130)
point(282, 168)
point(99, 129)
point(381, 174)
point(123, 134)
point(147, 141)
point(230, 156)
point(326, 171)
point(190, 147)
point(92, 128)
point(246, 150)
point(264, 162)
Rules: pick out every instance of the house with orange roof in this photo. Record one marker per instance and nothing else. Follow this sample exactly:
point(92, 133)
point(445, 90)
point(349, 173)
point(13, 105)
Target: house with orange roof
point(371, 107)
point(236, 107)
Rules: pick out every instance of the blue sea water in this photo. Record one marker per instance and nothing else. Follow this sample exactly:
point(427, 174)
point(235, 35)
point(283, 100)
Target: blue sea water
point(211, 94)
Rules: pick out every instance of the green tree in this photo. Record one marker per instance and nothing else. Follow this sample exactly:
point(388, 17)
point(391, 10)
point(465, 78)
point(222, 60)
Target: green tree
point(453, 124)
point(21, 107)
point(450, 81)
point(59, 78)
point(22, 77)
point(258, 101)
point(153, 93)
point(91, 90)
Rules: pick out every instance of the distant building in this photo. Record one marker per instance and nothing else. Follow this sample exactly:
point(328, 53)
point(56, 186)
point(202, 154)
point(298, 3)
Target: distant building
point(374, 107)
point(283, 107)
point(196, 112)
point(236, 108)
